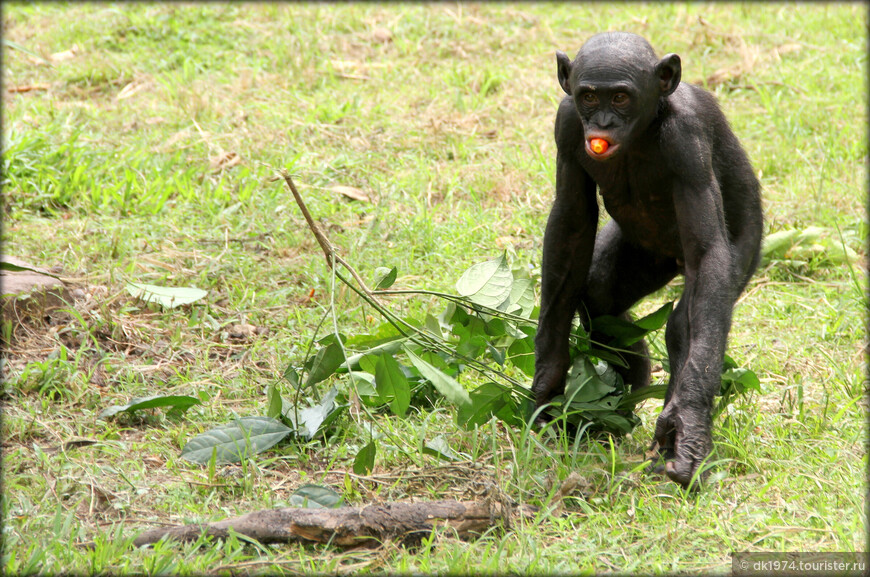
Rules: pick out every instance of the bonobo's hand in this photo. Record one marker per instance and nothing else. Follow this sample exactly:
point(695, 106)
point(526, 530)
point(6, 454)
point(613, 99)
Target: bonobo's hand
point(549, 381)
point(683, 434)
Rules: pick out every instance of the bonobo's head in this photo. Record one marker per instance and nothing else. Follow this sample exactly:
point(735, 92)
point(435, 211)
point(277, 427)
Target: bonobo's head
point(616, 82)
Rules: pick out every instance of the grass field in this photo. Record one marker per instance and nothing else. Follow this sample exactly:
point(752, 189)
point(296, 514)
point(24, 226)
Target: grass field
point(137, 145)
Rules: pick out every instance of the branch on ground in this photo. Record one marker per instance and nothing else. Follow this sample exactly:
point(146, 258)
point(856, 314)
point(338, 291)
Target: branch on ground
point(367, 526)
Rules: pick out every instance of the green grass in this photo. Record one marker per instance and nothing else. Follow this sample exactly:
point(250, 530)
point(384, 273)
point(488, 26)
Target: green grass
point(447, 127)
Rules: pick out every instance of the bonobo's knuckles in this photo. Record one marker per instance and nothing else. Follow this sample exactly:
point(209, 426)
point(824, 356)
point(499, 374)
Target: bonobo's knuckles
point(685, 441)
point(683, 199)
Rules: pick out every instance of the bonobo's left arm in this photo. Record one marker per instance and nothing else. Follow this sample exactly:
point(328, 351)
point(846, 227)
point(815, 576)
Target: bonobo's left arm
point(703, 315)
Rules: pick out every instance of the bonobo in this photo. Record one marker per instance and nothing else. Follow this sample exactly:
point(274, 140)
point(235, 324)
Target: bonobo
point(683, 200)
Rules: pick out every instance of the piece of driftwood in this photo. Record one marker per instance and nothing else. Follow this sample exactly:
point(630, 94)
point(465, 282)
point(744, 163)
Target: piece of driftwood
point(353, 526)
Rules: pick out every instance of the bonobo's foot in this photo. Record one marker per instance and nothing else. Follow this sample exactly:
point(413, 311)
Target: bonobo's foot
point(684, 439)
point(638, 372)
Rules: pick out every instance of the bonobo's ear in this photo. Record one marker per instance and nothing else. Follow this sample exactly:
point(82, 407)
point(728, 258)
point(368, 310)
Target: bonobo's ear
point(564, 69)
point(668, 71)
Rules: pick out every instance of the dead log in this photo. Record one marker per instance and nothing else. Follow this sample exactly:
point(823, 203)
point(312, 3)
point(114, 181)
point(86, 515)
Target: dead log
point(367, 526)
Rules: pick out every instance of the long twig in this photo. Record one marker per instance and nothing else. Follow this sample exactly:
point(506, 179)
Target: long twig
point(414, 334)
point(325, 245)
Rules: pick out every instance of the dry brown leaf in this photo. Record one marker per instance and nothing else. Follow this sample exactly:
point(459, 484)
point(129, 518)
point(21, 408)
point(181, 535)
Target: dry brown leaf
point(224, 160)
point(786, 48)
point(65, 55)
point(243, 331)
point(382, 35)
point(131, 88)
point(350, 192)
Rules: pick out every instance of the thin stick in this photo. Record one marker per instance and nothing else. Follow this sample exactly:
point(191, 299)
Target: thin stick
point(325, 245)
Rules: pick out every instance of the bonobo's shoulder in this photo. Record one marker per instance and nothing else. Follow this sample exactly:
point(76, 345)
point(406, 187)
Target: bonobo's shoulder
point(691, 106)
point(692, 119)
point(569, 129)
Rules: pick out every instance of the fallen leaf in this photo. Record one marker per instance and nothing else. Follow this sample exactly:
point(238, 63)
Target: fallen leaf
point(351, 192)
point(65, 55)
point(382, 35)
point(131, 89)
point(243, 331)
point(224, 160)
point(786, 48)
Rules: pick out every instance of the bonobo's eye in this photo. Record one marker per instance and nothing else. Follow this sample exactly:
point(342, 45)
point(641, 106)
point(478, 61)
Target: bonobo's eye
point(620, 99)
point(590, 98)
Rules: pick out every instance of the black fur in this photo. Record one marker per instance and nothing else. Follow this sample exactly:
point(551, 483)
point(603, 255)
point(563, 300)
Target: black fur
point(683, 200)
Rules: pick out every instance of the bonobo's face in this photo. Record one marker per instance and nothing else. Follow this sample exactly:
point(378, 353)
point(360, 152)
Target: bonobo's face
point(616, 82)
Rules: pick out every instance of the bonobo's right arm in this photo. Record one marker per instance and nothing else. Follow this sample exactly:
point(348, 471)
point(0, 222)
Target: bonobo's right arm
point(568, 243)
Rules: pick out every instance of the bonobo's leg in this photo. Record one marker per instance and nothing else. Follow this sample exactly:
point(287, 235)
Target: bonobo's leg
point(695, 427)
point(697, 334)
point(620, 274)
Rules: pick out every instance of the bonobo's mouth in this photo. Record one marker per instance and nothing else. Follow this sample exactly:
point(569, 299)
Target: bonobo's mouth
point(600, 148)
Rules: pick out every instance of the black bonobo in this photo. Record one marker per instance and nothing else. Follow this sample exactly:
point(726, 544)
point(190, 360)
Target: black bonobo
point(683, 200)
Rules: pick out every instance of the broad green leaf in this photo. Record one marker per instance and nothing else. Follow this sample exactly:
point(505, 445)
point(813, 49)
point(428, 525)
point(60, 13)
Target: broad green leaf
point(522, 297)
point(314, 419)
point(496, 354)
point(618, 423)
point(649, 392)
point(433, 326)
point(169, 297)
point(741, 380)
point(443, 383)
point(776, 244)
point(364, 461)
point(656, 320)
point(364, 384)
point(627, 333)
point(383, 333)
point(385, 277)
point(177, 403)
point(522, 354)
point(369, 363)
point(499, 328)
point(315, 497)
point(276, 403)
point(488, 283)
point(291, 376)
point(471, 339)
point(326, 361)
point(583, 384)
point(22, 268)
point(728, 363)
point(609, 375)
point(839, 253)
point(439, 447)
point(392, 384)
point(809, 235)
point(623, 331)
point(388, 348)
point(243, 437)
point(611, 357)
point(487, 401)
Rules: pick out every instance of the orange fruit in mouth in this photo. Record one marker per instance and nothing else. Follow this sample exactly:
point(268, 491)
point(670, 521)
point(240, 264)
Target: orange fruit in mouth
point(598, 145)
